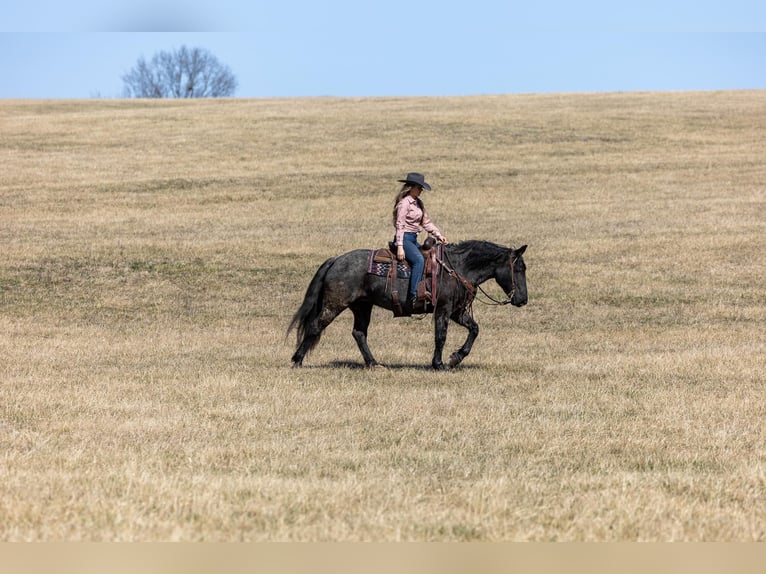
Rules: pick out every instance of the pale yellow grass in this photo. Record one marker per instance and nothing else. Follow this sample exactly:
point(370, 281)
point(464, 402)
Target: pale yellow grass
point(154, 252)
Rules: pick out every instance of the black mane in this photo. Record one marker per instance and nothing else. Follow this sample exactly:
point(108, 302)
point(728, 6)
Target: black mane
point(476, 255)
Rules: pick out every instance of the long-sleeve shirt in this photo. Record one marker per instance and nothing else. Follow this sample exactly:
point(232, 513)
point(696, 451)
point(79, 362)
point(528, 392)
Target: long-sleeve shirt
point(410, 218)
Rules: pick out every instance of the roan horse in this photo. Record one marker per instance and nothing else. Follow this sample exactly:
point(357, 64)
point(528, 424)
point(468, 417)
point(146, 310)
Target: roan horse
point(344, 282)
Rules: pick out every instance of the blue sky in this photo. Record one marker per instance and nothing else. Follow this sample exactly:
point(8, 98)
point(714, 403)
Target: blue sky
point(287, 48)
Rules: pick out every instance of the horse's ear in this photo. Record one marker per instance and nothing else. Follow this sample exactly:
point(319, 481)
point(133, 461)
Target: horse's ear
point(521, 250)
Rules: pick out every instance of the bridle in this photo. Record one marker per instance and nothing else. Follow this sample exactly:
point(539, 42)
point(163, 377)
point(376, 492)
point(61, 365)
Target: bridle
point(509, 297)
point(472, 289)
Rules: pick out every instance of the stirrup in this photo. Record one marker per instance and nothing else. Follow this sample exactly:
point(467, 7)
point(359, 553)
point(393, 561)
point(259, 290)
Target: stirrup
point(417, 306)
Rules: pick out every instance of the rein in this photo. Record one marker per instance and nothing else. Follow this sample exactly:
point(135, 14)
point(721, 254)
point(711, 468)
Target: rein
point(469, 287)
point(492, 301)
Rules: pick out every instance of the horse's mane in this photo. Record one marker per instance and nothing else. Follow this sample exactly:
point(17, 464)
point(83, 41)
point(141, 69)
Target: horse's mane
point(477, 254)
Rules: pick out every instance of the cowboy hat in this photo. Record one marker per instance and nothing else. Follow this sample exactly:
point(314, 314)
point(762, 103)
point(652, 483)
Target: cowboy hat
point(416, 179)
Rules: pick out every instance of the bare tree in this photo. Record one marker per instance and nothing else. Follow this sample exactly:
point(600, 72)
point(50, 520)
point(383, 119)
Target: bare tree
point(183, 73)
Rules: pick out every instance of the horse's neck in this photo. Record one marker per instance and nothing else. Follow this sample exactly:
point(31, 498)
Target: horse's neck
point(476, 274)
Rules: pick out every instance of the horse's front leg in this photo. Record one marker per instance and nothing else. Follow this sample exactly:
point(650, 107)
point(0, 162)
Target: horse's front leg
point(463, 317)
point(441, 322)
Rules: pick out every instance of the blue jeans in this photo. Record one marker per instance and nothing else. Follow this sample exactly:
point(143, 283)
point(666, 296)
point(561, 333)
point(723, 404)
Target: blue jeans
point(415, 258)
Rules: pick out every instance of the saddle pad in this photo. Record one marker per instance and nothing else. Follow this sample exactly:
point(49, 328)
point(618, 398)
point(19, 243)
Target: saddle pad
point(403, 270)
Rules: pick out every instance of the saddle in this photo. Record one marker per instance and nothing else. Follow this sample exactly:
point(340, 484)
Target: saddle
point(383, 262)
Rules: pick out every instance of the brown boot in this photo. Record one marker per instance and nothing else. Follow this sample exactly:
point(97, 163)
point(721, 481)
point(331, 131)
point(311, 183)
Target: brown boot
point(415, 305)
point(411, 304)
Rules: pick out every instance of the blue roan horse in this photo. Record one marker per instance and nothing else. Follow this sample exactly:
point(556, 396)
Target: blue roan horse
point(344, 282)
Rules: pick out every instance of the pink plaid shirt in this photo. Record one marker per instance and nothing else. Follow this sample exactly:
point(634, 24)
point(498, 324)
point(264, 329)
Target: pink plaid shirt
point(410, 218)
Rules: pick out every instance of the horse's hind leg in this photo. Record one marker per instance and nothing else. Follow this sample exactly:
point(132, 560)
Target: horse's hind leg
point(362, 313)
point(314, 332)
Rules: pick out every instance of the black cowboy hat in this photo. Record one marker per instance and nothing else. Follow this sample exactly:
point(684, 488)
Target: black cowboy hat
point(416, 179)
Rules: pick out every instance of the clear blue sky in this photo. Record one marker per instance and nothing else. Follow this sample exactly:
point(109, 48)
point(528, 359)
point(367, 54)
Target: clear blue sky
point(283, 48)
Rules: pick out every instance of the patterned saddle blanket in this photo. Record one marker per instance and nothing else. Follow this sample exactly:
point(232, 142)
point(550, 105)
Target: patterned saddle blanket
point(379, 263)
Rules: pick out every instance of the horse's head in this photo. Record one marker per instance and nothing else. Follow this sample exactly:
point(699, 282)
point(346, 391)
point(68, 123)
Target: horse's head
point(512, 277)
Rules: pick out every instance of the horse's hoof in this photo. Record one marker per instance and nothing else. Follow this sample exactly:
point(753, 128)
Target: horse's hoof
point(454, 361)
point(377, 367)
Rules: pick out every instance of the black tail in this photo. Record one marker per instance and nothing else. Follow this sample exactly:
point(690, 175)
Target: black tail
point(307, 314)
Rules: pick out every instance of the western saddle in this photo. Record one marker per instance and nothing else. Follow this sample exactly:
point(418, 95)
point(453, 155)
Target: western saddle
point(427, 285)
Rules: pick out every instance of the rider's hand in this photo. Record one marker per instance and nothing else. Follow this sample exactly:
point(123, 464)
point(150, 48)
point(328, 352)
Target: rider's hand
point(443, 239)
point(400, 253)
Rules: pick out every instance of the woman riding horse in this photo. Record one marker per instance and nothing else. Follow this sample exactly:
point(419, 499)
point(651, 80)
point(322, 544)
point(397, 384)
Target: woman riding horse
point(345, 282)
point(409, 218)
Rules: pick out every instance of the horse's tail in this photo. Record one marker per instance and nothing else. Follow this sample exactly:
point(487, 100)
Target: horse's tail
point(309, 311)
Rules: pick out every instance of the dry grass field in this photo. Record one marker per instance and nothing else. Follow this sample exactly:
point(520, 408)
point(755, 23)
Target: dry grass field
point(153, 253)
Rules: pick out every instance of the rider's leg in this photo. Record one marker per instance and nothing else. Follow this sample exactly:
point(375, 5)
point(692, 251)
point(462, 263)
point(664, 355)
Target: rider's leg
point(415, 259)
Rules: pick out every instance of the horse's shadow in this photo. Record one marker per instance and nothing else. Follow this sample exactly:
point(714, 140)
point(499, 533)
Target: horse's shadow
point(386, 367)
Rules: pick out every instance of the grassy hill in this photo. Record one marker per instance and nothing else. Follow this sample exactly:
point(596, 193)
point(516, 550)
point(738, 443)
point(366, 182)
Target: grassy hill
point(153, 253)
